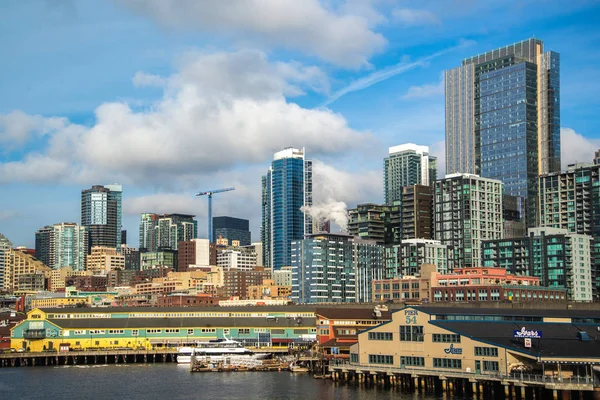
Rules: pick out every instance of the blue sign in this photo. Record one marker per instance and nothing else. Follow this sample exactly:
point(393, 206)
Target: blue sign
point(524, 333)
point(453, 350)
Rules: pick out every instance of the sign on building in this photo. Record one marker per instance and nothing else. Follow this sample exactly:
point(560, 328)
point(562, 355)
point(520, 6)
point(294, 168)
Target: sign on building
point(524, 333)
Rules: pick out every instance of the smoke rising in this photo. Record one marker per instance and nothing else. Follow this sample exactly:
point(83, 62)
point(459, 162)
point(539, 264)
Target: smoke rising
point(334, 211)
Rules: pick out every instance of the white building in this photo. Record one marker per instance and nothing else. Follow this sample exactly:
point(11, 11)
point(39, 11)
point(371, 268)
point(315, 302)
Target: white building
point(236, 259)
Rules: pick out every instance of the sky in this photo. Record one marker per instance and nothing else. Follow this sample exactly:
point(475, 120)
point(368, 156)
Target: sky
point(173, 97)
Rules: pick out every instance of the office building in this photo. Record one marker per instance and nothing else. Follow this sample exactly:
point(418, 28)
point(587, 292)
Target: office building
point(101, 213)
point(513, 214)
point(70, 246)
point(417, 212)
point(165, 258)
point(468, 209)
point(44, 242)
point(406, 258)
point(196, 253)
point(503, 117)
point(236, 258)
point(102, 260)
point(559, 258)
point(232, 229)
point(380, 223)
point(160, 232)
point(5, 246)
point(286, 188)
point(407, 165)
point(132, 257)
point(334, 268)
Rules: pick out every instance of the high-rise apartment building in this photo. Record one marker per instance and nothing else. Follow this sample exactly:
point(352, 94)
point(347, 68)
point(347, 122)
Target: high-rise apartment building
point(5, 246)
point(503, 117)
point(101, 213)
point(166, 231)
point(334, 268)
point(21, 269)
point(468, 209)
point(597, 157)
point(417, 212)
point(379, 223)
point(44, 242)
point(286, 188)
point(70, 246)
point(406, 258)
point(232, 229)
point(559, 258)
point(407, 165)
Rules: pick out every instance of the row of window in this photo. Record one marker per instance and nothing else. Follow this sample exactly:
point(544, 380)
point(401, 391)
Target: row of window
point(380, 336)
point(486, 351)
point(412, 361)
point(381, 359)
point(445, 338)
point(452, 363)
point(410, 333)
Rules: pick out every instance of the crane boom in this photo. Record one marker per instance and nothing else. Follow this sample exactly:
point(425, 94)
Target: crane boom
point(210, 193)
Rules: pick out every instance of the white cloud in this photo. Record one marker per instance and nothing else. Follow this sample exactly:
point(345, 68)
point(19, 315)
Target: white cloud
point(341, 36)
point(17, 127)
point(142, 79)
point(425, 91)
point(413, 17)
point(8, 214)
point(438, 149)
point(348, 186)
point(574, 147)
point(163, 203)
point(219, 111)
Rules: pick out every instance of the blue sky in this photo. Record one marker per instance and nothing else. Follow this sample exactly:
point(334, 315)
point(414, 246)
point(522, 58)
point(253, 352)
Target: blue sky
point(169, 97)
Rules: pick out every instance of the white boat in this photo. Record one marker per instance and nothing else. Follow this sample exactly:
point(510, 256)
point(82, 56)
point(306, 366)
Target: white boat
point(218, 350)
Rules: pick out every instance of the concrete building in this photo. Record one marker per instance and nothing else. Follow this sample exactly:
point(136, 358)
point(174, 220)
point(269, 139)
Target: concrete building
point(232, 229)
point(286, 188)
point(282, 277)
point(165, 231)
point(44, 245)
point(269, 291)
point(237, 258)
point(17, 264)
point(5, 246)
point(334, 268)
point(503, 117)
point(468, 209)
point(101, 213)
point(407, 257)
point(71, 246)
point(196, 252)
point(236, 282)
point(379, 223)
point(104, 259)
point(407, 165)
point(558, 258)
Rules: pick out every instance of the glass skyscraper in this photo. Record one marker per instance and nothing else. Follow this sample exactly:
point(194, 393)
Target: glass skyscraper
point(503, 118)
point(407, 165)
point(286, 188)
point(231, 228)
point(101, 211)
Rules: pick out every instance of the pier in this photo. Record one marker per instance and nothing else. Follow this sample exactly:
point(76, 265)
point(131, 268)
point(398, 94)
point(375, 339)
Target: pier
point(477, 386)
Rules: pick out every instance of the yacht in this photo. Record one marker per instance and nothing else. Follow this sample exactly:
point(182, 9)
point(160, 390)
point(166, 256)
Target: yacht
point(217, 350)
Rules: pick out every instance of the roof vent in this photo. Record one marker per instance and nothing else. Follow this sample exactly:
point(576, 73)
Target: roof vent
point(583, 336)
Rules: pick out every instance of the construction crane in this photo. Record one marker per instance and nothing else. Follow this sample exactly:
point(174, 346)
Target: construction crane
point(210, 193)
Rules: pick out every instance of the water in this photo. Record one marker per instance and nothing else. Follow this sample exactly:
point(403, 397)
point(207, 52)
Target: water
point(173, 382)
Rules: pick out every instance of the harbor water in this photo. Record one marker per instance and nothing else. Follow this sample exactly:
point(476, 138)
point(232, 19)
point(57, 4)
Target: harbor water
point(173, 382)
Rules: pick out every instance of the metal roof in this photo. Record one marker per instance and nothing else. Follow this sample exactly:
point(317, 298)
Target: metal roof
point(114, 310)
point(179, 322)
point(543, 312)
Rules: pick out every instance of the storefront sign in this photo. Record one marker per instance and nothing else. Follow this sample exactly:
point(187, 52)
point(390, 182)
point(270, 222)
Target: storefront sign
point(453, 350)
point(527, 342)
point(524, 333)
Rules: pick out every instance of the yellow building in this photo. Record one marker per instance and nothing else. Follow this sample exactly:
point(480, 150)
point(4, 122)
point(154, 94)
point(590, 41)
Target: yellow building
point(18, 264)
point(103, 259)
point(58, 302)
point(268, 290)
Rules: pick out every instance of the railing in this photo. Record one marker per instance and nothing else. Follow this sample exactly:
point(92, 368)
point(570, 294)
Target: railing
point(518, 377)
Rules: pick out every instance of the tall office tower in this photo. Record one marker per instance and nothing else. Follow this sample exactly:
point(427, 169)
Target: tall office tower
point(380, 223)
point(597, 157)
point(417, 212)
point(232, 229)
point(286, 188)
point(407, 165)
point(101, 212)
point(5, 246)
point(158, 232)
point(334, 268)
point(559, 258)
point(44, 240)
point(123, 236)
point(468, 209)
point(406, 258)
point(503, 117)
point(70, 246)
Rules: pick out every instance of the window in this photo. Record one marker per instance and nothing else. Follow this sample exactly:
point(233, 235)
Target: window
point(380, 336)
point(410, 333)
point(226, 331)
point(244, 331)
point(381, 359)
point(282, 332)
point(354, 358)
point(445, 338)
point(135, 332)
point(170, 330)
point(190, 331)
point(208, 330)
point(491, 366)
point(116, 331)
point(260, 330)
point(79, 332)
point(412, 361)
point(447, 363)
point(486, 352)
point(153, 330)
point(97, 331)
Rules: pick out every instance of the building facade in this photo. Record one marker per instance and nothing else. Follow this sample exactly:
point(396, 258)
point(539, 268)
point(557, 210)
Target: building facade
point(406, 165)
point(161, 232)
point(156, 259)
point(239, 258)
point(558, 258)
point(195, 252)
point(232, 229)
point(379, 223)
point(71, 244)
point(407, 257)
point(468, 209)
point(44, 242)
point(503, 117)
point(597, 157)
point(5, 246)
point(101, 213)
point(334, 268)
point(19, 267)
point(417, 212)
point(104, 259)
point(286, 188)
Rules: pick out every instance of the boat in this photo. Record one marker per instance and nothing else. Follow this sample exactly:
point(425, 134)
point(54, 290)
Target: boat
point(226, 350)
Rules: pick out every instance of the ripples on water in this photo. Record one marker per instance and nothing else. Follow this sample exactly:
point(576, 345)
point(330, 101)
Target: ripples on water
point(174, 382)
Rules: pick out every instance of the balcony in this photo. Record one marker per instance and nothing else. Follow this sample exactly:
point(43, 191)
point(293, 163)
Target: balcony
point(31, 334)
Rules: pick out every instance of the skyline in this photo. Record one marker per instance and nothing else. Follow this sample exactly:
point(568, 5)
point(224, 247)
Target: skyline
point(116, 92)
